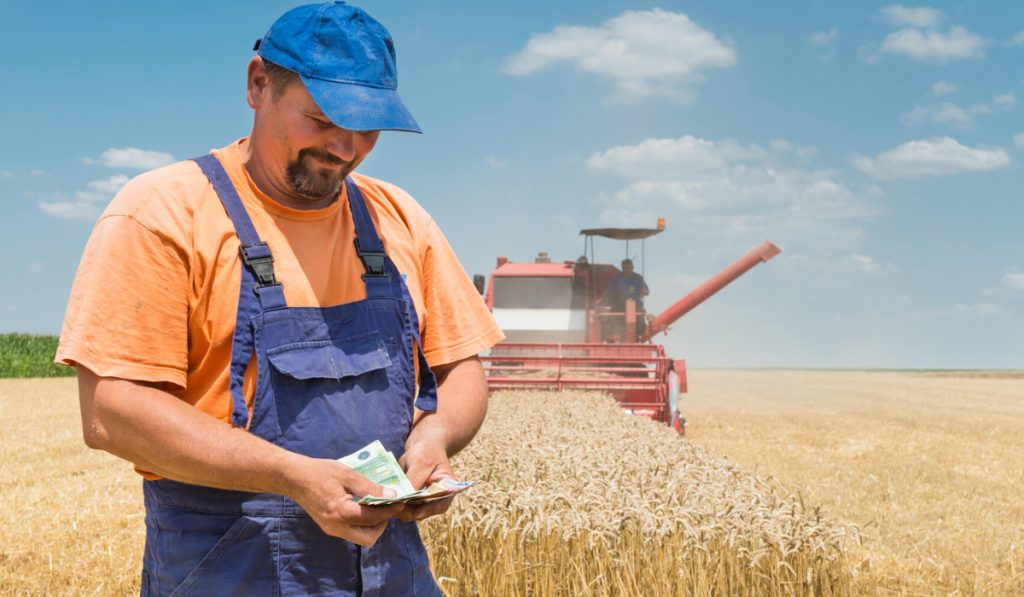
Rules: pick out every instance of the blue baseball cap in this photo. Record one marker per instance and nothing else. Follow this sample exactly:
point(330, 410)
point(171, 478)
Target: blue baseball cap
point(346, 60)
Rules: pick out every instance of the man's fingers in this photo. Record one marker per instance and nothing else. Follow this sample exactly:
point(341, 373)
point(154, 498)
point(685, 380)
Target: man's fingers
point(360, 486)
point(368, 516)
point(422, 512)
point(365, 535)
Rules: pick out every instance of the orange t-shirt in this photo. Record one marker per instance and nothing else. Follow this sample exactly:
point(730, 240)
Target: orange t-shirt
point(156, 293)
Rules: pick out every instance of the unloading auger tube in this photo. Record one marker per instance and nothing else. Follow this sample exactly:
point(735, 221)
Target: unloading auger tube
point(758, 254)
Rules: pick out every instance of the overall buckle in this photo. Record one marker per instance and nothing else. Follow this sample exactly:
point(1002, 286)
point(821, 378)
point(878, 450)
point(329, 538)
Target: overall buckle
point(260, 262)
point(373, 261)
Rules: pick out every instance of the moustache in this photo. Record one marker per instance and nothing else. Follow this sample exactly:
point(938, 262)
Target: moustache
point(322, 155)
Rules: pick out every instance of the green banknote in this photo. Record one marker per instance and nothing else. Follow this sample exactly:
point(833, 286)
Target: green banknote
point(380, 466)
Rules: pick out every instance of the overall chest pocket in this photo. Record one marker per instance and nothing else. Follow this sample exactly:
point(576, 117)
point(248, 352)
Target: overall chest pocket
point(321, 387)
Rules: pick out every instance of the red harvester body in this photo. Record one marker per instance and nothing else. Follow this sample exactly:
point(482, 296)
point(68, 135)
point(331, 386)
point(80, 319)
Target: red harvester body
point(561, 333)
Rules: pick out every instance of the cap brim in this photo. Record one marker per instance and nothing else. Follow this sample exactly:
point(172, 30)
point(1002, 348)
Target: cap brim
point(361, 108)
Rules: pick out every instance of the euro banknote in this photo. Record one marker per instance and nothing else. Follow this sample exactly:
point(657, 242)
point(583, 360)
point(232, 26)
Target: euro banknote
point(379, 465)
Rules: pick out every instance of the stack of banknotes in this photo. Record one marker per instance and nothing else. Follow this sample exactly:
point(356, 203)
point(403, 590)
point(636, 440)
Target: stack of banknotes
point(380, 466)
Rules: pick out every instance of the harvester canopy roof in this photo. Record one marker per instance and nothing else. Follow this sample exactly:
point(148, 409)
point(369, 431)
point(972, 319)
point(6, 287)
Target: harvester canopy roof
point(621, 233)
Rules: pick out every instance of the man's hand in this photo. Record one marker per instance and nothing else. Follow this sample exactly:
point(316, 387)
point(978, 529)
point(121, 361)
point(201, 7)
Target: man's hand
point(426, 461)
point(328, 490)
point(436, 436)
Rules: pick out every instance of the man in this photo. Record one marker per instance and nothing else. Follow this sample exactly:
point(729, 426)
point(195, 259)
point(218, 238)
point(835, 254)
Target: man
point(242, 320)
point(626, 284)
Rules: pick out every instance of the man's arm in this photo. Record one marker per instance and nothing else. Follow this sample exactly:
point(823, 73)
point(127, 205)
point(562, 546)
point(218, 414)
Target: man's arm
point(162, 434)
point(435, 437)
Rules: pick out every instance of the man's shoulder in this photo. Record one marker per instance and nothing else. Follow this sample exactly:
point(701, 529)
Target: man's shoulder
point(392, 201)
point(156, 195)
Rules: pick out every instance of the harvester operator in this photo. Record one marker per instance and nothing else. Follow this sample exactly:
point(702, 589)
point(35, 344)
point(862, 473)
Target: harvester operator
point(241, 320)
point(625, 285)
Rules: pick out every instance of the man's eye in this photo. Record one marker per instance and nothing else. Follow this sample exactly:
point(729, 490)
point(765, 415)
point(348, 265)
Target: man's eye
point(324, 124)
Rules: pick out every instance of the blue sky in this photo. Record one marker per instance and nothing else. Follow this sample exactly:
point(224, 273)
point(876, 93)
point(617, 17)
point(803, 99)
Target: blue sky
point(879, 145)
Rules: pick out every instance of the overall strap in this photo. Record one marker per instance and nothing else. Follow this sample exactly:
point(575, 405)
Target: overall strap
point(369, 247)
point(382, 279)
point(258, 282)
point(255, 254)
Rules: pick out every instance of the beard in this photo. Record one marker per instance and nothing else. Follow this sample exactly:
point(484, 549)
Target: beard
point(317, 183)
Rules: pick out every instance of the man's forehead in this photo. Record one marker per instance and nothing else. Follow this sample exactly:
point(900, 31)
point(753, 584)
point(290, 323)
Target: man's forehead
point(301, 99)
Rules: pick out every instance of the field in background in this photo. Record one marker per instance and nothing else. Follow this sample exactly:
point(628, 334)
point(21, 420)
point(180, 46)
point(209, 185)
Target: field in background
point(929, 468)
point(928, 464)
point(28, 355)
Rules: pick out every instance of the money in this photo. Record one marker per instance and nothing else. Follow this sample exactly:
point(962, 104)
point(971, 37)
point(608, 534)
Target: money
point(379, 465)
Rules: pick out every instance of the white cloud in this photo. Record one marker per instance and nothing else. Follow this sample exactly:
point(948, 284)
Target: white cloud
point(70, 210)
point(956, 43)
point(803, 153)
point(726, 195)
point(645, 54)
point(132, 157)
point(6, 174)
point(38, 172)
point(915, 16)
point(944, 88)
point(1014, 281)
point(826, 41)
point(1017, 40)
point(936, 156)
point(869, 264)
point(980, 109)
point(824, 38)
point(944, 113)
point(84, 204)
point(1005, 101)
point(1018, 140)
point(686, 156)
point(494, 162)
point(952, 114)
point(920, 38)
point(110, 185)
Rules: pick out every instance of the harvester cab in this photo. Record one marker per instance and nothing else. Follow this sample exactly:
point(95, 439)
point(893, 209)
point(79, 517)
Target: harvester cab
point(615, 312)
point(582, 324)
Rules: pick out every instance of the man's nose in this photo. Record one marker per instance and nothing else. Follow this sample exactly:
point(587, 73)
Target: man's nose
point(342, 144)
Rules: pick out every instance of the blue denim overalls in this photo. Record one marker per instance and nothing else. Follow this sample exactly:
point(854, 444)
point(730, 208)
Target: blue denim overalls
point(330, 380)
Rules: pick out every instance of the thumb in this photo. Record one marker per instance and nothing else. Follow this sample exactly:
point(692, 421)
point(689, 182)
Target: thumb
point(418, 476)
point(360, 486)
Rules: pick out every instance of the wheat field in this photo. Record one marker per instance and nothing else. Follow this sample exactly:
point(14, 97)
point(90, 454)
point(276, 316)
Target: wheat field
point(579, 498)
point(790, 482)
point(930, 466)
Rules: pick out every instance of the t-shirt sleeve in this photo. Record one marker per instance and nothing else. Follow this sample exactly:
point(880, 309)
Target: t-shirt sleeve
point(457, 322)
point(128, 310)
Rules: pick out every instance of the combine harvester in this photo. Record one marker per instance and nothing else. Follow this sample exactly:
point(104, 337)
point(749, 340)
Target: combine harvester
point(559, 334)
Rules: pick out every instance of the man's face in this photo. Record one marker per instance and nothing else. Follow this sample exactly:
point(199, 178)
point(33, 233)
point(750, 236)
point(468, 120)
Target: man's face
point(305, 151)
point(627, 268)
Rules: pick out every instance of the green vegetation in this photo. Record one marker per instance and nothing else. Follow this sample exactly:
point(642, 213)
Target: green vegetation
point(26, 355)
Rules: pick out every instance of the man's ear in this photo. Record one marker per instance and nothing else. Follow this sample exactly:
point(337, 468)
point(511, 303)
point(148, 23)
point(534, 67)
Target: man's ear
point(257, 83)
